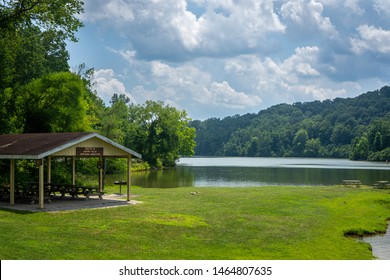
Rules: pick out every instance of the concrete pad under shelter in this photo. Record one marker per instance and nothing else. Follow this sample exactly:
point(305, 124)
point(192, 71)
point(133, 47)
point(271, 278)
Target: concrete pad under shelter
point(72, 204)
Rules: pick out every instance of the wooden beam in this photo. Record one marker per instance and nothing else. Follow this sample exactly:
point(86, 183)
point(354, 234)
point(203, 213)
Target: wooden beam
point(128, 177)
point(100, 165)
point(49, 169)
point(41, 186)
point(73, 171)
point(12, 183)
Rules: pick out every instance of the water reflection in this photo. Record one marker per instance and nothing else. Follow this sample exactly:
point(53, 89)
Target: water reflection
point(240, 172)
point(168, 178)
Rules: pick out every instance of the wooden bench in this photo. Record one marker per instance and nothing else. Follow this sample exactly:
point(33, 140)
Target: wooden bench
point(352, 183)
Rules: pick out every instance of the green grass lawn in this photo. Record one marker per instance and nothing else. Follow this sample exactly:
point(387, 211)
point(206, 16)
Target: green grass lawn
point(217, 223)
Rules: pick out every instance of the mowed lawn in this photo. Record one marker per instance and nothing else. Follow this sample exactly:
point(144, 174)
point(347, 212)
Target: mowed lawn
point(214, 223)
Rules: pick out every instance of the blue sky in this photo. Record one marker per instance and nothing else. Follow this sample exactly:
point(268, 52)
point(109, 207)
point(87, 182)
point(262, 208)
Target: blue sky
point(217, 58)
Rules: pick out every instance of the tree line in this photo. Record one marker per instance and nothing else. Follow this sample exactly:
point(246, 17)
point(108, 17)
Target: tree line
point(40, 93)
point(356, 128)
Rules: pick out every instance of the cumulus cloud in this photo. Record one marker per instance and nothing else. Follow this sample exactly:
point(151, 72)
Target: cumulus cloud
point(301, 63)
point(169, 30)
point(307, 17)
point(295, 78)
point(222, 94)
point(188, 84)
point(237, 56)
point(106, 85)
point(371, 39)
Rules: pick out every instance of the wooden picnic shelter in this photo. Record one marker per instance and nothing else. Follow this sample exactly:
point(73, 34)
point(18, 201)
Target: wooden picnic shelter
point(42, 147)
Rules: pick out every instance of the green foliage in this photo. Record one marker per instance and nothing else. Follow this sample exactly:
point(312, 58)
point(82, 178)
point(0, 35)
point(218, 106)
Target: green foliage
point(360, 148)
point(312, 147)
point(33, 38)
point(211, 134)
point(54, 103)
point(160, 133)
point(51, 15)
point(114, 119)
point(331, 128)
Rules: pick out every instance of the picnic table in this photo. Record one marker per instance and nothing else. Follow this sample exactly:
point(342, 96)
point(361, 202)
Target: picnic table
point(30, 191)
point(75, 190)
point(382, 185)
point(352, 183)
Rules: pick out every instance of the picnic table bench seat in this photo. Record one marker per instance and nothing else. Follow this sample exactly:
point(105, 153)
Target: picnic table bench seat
point(352, 183)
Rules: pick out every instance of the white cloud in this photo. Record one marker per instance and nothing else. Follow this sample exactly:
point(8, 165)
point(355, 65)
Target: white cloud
point(183, 77)
point(222, 94)
point(295, 78)
point(382, 6)
point(106, 85)
point(371, 39)
point(302, 62)
point(115, 11)
point(223, 57)
point(188, 84)
point(226, 27)
point(354, 7)
point(241, 24)
point(307, 17)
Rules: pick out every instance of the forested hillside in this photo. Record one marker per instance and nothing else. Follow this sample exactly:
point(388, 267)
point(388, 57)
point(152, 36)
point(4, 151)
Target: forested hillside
point(355, 128)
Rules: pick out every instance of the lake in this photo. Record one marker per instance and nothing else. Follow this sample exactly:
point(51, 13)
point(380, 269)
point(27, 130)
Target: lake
point(244, 172)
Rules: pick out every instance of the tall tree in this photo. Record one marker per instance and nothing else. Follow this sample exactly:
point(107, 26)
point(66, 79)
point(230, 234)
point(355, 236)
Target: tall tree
point(57, 102)
point(160, 133)
point(114, 124)
point(33, 36)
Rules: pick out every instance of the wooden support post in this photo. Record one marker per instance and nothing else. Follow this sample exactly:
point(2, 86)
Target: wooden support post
point(12, 183)
point(41, 186)
point(73, 171)
point(100, 166)
point(128, 177)
point(49, 169)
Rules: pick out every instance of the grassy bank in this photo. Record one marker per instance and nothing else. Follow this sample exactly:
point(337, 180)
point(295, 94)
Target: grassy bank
point(213, 223)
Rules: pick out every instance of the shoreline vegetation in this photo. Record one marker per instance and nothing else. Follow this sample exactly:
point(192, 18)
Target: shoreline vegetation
point(211, 223)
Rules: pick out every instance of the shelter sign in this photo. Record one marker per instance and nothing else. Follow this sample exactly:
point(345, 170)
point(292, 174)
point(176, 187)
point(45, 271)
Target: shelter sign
point(89, 151)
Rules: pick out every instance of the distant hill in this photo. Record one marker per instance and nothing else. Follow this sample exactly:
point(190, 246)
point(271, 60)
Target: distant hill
point(355, 128)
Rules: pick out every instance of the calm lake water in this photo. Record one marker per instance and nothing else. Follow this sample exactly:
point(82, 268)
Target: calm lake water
point(242, 172)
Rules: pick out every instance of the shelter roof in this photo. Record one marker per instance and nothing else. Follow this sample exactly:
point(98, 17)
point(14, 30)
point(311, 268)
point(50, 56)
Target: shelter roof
point(40, 145)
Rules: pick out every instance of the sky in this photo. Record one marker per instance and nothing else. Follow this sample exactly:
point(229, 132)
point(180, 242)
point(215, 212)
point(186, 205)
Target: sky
point(218, 58)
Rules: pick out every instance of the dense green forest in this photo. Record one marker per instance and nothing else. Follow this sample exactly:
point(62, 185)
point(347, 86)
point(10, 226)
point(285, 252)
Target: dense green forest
point(356, 128)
